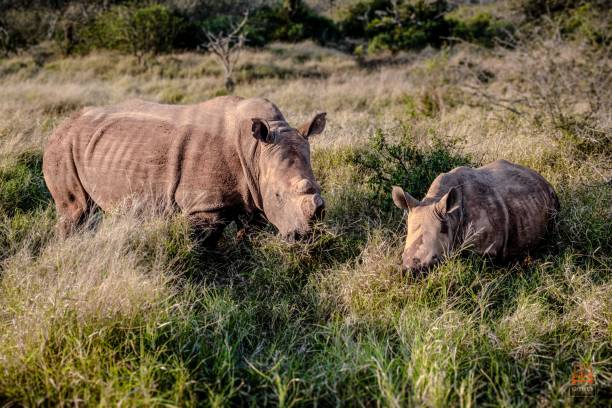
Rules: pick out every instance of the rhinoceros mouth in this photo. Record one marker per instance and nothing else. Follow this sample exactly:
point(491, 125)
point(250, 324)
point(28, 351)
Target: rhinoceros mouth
point(295, 236)
point(418, 268)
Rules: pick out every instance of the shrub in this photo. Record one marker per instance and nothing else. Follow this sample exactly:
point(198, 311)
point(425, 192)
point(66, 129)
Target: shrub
point(266, 23)
point(535, 9)
point(7, 40)
point(280, 23)
point(395, 26)
point(405, 164)
point(586, 22)
point(22, 28)
point(482, 28)
point(355, 21)
point(147, 30)
point(152, 29)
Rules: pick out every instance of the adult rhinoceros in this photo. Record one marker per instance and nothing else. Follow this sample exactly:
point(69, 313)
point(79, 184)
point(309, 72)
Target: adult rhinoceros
point(216, 161)
point(501, 209)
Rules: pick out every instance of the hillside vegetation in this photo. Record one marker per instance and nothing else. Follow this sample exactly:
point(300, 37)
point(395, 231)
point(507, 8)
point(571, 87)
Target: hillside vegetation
point(132, 311)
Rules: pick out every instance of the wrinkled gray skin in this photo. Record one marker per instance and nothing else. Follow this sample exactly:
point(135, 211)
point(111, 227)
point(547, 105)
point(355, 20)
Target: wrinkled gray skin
point(502, 210)
point(223, 160)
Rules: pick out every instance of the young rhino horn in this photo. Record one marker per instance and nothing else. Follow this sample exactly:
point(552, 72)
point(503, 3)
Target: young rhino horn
point(402, 199)
point(312, 205)
point(304, 186)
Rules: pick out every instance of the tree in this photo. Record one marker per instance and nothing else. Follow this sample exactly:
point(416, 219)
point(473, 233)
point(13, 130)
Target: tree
point(226, 48)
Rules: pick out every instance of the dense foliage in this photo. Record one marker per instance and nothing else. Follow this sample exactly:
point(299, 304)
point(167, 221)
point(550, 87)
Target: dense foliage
point(150, 27)
point(399, 25)
point(403, 163)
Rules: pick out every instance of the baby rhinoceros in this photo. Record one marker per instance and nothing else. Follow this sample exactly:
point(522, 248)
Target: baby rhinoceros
point(501, 210)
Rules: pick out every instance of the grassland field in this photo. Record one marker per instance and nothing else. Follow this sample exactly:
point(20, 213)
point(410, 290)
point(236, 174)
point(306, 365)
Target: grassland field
point(132, 312)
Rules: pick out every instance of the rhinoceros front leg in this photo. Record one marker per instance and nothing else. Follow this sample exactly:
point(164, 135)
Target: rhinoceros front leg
point(246, 224)
point(207, 228)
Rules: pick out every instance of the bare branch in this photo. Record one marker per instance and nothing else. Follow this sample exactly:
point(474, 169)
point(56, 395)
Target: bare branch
point(227, 47)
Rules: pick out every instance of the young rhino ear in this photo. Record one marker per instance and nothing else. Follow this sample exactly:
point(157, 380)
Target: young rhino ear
point(450, 201)
point(402, 199)
point(314, 126)
point(261, 130)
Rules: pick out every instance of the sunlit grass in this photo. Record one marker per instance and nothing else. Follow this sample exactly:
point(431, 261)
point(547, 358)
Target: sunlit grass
point(132, 311)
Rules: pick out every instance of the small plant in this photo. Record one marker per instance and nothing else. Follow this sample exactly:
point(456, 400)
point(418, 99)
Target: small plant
point(404, 163)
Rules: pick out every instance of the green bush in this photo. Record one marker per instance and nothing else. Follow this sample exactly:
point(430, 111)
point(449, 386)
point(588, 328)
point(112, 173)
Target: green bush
point(153, 29)
point(482, 28)
point(406, 25)
point(354, 23)
point(585, 22)
point(280, 23)
point(416, 24)
point(266, 23)
point(21, 29)
point(147, 30)
point(405, 164)
point(535, 9)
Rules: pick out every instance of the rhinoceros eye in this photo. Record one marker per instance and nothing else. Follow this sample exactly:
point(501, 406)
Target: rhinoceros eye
point(444, 227)
point(279, 198)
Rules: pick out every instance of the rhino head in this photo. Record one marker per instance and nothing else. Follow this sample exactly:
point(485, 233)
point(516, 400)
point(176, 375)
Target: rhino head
point(290, 195)
point(432, 226)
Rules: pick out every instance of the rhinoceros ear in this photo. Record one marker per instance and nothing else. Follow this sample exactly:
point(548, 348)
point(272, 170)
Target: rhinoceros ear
point(450, 201)
point(314, 126)
point(402, 199)
point(261, 130)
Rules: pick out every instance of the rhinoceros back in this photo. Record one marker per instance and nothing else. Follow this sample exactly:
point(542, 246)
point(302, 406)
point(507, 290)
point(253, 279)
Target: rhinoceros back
point(141, 149)
point(508, 208)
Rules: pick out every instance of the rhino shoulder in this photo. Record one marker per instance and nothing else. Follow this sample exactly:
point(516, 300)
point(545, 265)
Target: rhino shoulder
point(500, 163)
point(258, 108)
point(445, 181)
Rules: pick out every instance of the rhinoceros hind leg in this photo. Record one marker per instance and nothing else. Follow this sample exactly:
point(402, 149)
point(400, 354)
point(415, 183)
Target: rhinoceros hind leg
point(72, 202)
point(72, 213)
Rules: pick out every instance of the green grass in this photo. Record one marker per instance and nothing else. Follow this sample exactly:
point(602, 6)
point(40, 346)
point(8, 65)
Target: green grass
point(132, 311)
point(22, 187)
point(264, 322)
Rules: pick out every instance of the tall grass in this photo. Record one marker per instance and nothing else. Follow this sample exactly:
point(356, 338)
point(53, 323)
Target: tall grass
point(132, 311)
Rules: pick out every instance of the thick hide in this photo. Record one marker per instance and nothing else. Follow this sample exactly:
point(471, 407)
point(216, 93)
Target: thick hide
point(215, 161)
point(502, 210)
